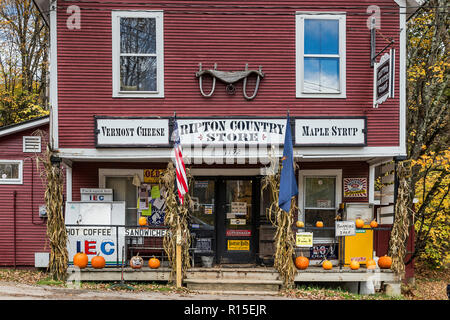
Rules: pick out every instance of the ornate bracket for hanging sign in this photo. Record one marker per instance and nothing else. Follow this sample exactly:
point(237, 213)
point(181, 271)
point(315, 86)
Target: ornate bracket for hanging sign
point(229, 78)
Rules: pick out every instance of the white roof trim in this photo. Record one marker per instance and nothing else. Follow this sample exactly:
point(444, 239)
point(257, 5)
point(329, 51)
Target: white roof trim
point(21, 127)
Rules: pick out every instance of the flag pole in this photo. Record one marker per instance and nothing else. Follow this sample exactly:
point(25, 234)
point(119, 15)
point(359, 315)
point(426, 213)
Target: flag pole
point(178, 249)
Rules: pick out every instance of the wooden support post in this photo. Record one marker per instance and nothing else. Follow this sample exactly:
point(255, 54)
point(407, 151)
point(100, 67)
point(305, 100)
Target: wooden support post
point(178, 260)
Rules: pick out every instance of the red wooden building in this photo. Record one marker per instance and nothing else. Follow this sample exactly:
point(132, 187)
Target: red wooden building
point(22, 206)
point(231, 71)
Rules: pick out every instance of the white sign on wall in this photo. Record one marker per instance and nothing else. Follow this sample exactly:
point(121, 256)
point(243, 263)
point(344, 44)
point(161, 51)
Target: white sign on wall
point(384, 78)
point(220, 132)
point(345, 228)
point(89, 229)
point(131, 132)
point(330, 131)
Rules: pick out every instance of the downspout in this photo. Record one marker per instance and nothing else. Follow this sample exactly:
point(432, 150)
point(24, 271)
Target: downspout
point(14, 227)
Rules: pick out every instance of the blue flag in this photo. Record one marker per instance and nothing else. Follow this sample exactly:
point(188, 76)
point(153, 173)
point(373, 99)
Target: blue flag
point(288, 184)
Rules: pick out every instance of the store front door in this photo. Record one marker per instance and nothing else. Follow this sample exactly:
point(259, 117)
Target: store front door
point(233, 206)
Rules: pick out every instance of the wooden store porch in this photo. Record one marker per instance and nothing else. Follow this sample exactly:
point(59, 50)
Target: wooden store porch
point(246, 279)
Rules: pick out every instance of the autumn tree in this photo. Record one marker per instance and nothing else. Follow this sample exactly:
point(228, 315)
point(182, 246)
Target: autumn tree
point(23, 62)
point(424, 175)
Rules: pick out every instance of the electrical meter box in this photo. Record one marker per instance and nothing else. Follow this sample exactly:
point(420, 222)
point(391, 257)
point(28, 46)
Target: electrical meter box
point(360, 246)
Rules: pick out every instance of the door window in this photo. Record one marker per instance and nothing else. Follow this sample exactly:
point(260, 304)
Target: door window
point(320, 203)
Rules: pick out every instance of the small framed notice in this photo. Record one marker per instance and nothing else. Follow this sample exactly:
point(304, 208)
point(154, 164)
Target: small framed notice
point(355, 187)
point(304, 239)
point(345, 228)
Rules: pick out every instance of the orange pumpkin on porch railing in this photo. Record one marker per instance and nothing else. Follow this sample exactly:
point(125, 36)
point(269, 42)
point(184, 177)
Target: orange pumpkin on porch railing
point(301, 262)
point(142, 221)
point(385, 262)
point(371, 264)
point(359, 223)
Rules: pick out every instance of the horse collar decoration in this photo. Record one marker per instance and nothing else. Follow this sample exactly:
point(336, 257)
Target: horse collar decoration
point(229, 78)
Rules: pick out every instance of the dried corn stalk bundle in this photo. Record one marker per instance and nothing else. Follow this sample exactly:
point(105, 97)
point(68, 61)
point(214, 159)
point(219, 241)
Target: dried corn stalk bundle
point(177, 218)
point(400, 228)
point(283, 221)
point(53, 177)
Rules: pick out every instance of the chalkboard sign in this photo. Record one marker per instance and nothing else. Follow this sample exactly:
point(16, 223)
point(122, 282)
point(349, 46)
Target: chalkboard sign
point(319, 251)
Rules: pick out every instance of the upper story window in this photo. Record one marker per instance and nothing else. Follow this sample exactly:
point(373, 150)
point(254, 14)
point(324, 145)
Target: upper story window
point(138, 61)
point(320, 51)
point(11, 171)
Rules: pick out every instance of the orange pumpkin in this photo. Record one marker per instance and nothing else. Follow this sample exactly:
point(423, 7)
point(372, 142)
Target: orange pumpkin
point(301, 262)
point(373, 224)
point(98, 262)
point(354, 265)
point(385, 262)
point(319, 224)
point(136, 262)
point(142, 221)
point(359, 223)
point(371, 264)
point(80, 260)
point(154, 263)
point(299, 224)
point(327, 265)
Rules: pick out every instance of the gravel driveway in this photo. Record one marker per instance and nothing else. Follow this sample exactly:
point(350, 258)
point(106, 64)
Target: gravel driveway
point(12, 290)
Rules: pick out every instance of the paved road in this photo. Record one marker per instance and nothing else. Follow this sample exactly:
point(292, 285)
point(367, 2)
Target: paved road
point(12, 291)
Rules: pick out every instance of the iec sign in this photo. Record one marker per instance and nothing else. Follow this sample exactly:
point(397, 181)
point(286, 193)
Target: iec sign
point(131, 132)
point(330, 131)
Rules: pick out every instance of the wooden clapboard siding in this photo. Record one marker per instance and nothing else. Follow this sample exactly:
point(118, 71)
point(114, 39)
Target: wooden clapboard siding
point(260, 33)
point(30, 230)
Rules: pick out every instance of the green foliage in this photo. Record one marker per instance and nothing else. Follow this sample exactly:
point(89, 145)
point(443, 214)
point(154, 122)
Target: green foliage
point(433, 208)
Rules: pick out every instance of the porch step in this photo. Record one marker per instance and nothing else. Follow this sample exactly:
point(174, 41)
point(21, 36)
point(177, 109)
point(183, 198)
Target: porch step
point(243, 280)
point(242, 285)
point(234, 273)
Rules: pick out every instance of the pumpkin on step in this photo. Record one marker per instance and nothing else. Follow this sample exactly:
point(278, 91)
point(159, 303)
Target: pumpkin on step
point(371, 264)
point(385, 262)
point(154, 263)
point(327, 265)
point(80, 260)
point(136, 262)
point(301, 262)
point(98, 262)
point(354, 265)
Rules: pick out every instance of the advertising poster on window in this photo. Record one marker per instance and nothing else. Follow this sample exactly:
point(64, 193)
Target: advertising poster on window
point(355, 187)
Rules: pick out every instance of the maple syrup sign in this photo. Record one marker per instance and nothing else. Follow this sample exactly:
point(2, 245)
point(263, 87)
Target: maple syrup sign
point(217, 132)
point(330, 131)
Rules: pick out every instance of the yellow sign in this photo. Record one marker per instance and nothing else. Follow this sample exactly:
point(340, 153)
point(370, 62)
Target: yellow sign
point(304, 239)
point(243, 245)
point(152, 175)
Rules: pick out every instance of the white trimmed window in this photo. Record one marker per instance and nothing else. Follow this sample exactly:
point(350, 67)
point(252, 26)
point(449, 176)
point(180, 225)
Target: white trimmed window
point(320, 55)
point(11, 171)
point(138, 54)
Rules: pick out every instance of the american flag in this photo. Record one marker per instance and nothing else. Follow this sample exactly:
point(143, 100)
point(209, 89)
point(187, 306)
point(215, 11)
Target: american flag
point(180, 169)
